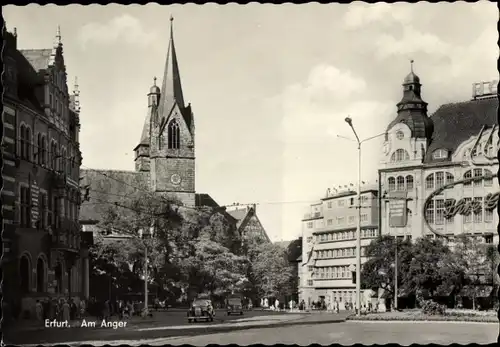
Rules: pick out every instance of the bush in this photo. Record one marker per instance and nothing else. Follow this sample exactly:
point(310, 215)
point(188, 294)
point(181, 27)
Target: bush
point(432, 308)
point(428, 318)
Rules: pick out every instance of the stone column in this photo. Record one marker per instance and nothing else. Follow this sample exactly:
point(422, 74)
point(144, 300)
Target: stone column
point(85, 274)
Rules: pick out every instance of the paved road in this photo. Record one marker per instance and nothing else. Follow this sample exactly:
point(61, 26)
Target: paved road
point(368, 333)
point(163, 324)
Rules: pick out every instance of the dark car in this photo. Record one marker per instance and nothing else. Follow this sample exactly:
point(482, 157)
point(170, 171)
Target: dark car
point(234, 305)
point(201, 309)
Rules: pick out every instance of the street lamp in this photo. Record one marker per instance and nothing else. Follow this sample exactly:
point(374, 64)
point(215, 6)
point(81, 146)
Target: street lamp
point(144, 235)
point(348, 120)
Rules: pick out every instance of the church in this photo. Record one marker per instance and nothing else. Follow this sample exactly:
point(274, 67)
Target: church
point(164, 158)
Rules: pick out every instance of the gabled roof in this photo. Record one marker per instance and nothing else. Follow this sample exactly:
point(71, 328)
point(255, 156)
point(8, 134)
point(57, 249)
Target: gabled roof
point(239, 215)
point(455, 123)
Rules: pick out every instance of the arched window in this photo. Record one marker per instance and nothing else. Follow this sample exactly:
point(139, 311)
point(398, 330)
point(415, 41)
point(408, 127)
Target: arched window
point(25, 274)
point(44, 150)
point(40, 275)
point(53, 155)
point(488, 179)
point(392, 184)
point(174, 137)
point(429, 182)
point(468, 175)
point(400, 155)
point(400, 183)
point(28, 143)
point(38, 152)
point(439, 179)
point(409, 182)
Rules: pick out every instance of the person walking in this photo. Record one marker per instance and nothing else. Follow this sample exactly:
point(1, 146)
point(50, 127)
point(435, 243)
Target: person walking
point(39, 311)
point(66, 311)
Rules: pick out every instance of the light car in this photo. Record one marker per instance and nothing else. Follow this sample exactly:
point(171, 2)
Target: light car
point(201, 309)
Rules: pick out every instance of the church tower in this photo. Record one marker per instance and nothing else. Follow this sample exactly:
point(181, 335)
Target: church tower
point(167, 148)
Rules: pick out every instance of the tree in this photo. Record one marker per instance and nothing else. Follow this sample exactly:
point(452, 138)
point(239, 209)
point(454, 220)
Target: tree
point(272, 272)
point(378, 270)
point(424, 275)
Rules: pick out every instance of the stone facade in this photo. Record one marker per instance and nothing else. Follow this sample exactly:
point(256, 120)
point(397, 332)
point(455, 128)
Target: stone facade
point(41, 197)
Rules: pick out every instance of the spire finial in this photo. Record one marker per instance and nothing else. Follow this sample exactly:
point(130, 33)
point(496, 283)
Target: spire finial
point(171, 19)
point(58, 34)
point(154, 81)
point(411, 64)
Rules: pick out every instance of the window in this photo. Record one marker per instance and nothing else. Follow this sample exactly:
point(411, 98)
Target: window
point(400, 155)
point(488, 180)
point(49, 212)
point(309, 225)
point(25, 207)
point(42, 210)
point(44, 150)
point(478, 173)
point(488, 215)
point(477, 208)
point(329, 222)
point(39, 149)
point(364, 217)
point(62, 166)
point(392, 184)
point(429, 182)
point(440, 154)
point(309, 282)
point(352, 219)
point(309, 239)
point(400, 135)
point(449, 178)
point(55, 213)
point(400, 183)
point(174, 137)
point(53, 155)
point(340, 220)
point(363, 251)
point(488, 239)
point(429, 212)
point(25, 142)
point(468, 217)
point(439, 179)
point(409, 182)
point(329, 204)
point(468, 175)
point(439, 211)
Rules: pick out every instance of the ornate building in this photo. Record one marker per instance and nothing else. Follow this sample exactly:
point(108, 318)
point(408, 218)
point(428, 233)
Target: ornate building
point(248, 224)
point(44, 255)
point(441, 167)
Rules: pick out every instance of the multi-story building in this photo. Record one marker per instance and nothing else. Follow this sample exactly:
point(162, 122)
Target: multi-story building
point(329, 244)
point(41, 196)
point(428, 163)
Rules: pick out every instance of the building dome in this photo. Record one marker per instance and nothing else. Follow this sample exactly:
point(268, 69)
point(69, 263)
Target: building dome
point(411, 78)
point(154, 90)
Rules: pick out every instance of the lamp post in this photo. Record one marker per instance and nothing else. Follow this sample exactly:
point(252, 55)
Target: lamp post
point(348, 120)
point(144, 235)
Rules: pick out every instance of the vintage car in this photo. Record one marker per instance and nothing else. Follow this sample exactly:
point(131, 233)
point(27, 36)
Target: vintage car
point(201, 309)
point(234, 304)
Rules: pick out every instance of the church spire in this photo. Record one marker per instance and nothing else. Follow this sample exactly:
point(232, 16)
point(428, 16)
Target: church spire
point(171, 90)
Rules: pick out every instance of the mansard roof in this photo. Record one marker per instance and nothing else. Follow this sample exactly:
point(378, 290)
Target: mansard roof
point(455, 123)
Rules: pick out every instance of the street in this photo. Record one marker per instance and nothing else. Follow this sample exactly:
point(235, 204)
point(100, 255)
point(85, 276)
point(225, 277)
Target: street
point(367, 333)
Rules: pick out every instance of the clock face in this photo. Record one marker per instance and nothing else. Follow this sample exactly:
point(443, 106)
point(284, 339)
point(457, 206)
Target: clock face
point(175, 179)
point(400, 135)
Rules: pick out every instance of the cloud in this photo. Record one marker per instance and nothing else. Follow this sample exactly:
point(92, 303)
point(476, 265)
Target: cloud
point(124, 28)
point(359, 15)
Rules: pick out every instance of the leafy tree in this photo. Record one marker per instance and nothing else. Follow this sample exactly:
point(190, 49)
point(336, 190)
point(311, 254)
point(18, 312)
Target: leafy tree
point(378, 270)
point(424, 275)
point(272, 272)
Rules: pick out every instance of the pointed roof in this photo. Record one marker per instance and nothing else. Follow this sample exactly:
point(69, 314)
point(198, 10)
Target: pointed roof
point(171, 89)
point(148, 123)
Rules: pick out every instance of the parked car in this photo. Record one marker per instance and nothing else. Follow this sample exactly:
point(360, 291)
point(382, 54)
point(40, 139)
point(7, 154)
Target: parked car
point(201, 309)
point(234, 304)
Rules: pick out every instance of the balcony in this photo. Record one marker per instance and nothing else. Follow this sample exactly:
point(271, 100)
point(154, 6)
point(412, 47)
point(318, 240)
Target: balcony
point(315, 215)
point(66, 237)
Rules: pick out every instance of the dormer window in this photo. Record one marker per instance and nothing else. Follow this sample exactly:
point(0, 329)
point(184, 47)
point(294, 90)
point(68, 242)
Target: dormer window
point(440, 154)
point(400, 135)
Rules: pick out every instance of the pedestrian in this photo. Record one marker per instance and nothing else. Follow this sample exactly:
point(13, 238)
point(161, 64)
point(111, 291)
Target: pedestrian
point(277, 304)
point(39, 310)
point(290, 305)
point(65, 309)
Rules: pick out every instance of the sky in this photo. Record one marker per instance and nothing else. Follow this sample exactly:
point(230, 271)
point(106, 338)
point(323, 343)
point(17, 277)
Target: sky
point(270, 85)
